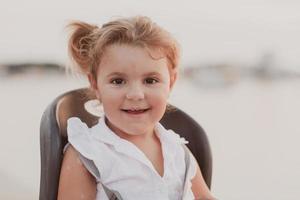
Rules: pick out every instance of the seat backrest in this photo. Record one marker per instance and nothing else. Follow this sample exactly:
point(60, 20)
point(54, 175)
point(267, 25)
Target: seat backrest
point(53, 137)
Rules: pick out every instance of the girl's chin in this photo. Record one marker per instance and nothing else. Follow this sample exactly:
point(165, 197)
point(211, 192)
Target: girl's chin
point(136, 131)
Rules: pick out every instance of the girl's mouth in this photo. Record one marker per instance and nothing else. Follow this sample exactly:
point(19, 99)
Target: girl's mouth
point(135, 111)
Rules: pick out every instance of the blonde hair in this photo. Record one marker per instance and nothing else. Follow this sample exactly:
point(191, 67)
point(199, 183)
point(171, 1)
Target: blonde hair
point(87, 42)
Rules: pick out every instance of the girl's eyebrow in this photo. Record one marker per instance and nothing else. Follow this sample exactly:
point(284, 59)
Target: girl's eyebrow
point(152, 74)
point(124, 74)
point(116, 74)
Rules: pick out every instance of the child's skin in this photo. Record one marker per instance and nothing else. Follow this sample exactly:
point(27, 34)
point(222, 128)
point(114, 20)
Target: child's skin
point(133, 85)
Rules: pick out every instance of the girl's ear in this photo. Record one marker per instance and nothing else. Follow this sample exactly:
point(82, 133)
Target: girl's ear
point(92, 81)
point(94, 86)
point(173, 79)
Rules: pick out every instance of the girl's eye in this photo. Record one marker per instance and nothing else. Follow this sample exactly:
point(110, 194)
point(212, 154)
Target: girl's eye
point(150, 80)
point(117, 81)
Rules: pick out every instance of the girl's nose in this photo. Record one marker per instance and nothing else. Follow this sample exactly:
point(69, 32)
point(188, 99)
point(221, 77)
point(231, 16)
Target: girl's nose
point(135, 92)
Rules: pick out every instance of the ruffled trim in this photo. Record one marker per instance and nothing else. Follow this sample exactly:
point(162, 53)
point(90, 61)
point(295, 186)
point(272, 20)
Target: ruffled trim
point(171, 135)
point(79, 136)
point(177, 138)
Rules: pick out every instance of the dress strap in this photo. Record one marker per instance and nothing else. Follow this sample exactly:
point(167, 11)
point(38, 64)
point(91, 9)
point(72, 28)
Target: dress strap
point(187, 162)
point(190, 171)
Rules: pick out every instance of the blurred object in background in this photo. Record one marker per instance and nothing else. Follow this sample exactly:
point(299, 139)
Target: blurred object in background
point(212, 76)
point(12, 69)
point(226, 74)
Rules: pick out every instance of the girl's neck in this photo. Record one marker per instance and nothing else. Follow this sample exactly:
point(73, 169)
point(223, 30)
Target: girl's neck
point(134, 138)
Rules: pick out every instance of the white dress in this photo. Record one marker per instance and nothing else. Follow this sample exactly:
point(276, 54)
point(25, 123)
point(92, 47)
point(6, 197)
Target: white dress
point(125, 168)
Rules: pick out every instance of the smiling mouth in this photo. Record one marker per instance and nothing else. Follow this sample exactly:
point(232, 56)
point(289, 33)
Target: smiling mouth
point(135, 111)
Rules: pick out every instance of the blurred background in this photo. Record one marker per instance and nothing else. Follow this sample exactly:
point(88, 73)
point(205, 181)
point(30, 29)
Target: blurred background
point(239, 78)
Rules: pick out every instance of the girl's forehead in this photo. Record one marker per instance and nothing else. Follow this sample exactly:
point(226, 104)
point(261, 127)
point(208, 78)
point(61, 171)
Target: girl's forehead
point(122, 51)
point(132, 57)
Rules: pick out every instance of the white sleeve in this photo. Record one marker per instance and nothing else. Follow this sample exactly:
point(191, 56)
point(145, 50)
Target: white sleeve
point(79, 137)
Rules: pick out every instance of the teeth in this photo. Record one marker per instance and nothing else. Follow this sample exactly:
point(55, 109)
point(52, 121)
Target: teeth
point(135, 110)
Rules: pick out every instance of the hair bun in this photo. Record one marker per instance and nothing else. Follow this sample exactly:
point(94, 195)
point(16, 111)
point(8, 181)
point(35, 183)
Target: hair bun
point(80, 44)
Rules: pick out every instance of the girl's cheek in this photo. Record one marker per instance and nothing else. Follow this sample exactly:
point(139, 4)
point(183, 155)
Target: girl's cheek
point(112, 90)
point(160, 92)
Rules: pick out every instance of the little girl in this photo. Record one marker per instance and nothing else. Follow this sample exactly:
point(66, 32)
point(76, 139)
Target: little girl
point(131, 64)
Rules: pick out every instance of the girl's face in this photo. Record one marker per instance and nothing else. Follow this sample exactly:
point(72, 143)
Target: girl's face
point(133, 88)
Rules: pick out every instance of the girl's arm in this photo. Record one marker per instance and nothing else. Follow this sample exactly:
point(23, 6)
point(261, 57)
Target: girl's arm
point(199, 187)
point(75, 180)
